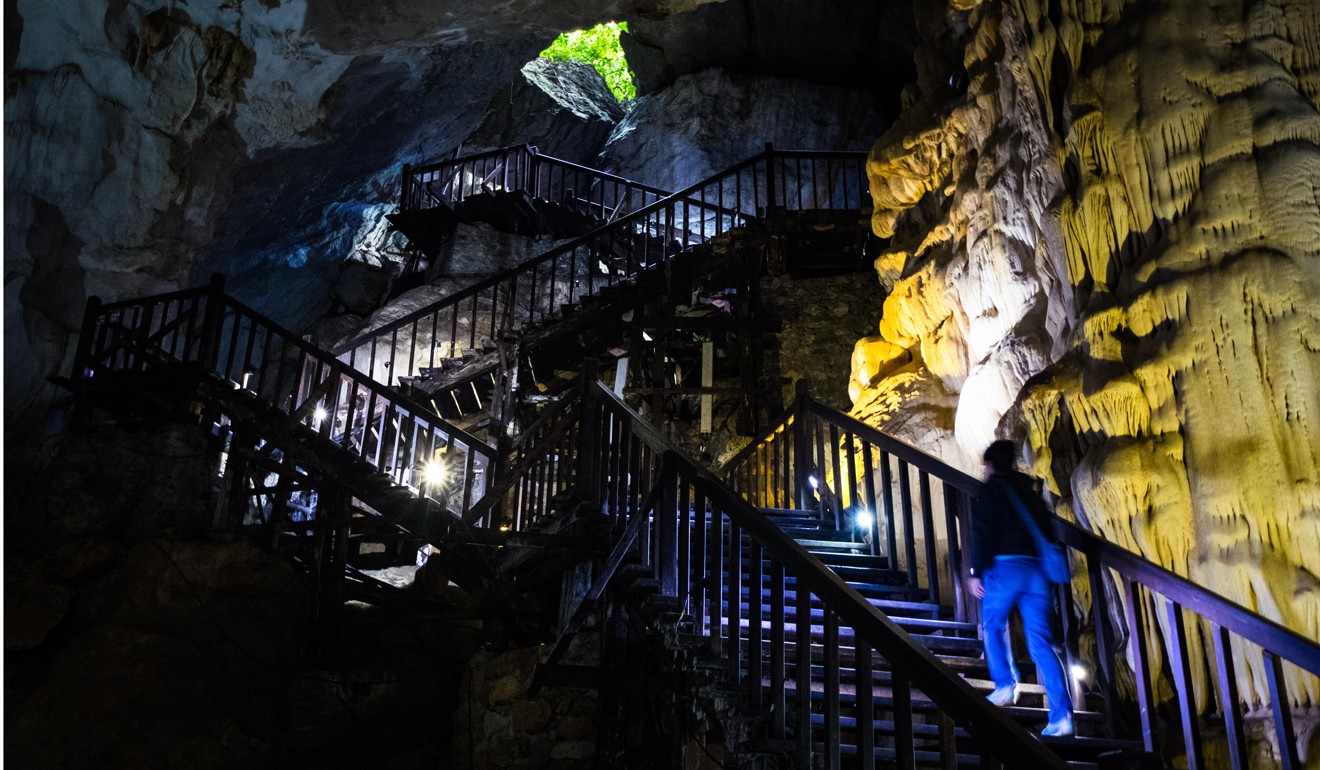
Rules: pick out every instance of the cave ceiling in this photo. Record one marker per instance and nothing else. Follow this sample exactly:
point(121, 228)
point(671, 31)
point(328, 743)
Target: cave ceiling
point(150, 144)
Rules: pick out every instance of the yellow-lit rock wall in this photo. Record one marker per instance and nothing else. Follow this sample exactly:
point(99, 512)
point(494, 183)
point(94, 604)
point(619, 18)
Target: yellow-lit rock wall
point(1105, 221)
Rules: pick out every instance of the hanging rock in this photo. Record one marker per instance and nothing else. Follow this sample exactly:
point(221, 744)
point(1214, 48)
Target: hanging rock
point(562, 108)
point(708, 121)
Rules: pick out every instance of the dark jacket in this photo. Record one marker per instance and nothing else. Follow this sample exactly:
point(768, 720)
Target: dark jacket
point(997, 528)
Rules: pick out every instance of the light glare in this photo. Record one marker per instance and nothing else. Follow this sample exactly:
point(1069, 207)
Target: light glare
point(863, 520)
point(434, 473)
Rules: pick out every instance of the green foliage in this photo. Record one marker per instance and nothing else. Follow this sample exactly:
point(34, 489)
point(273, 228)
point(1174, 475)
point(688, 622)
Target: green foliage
point(599, 47)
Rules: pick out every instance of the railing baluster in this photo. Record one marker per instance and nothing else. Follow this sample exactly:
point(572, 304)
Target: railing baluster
point(928, 524)
point(1228, 697)
point(1104, 639)
point(755, 631)
point(802, 671)
point(953, 542)
point(864, 686)
point(1284, 734)
point(833, 737)
point(685, 543)
point(838, 476)
point(667, 531)
point(868, 481)
point(778, 699)
point(734, 651)
point(700, 557)
point(1182, 679)
point(719, 593)
point(909, 531)
point(905, 755)
point(887, 490)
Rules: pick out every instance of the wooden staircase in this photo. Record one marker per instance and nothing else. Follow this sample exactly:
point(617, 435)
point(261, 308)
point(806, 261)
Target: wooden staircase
point(845, 646)
point(955, 643)
point(651, 249)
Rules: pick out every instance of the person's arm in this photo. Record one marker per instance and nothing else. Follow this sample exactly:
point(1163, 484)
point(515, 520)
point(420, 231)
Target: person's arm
point(983, 540)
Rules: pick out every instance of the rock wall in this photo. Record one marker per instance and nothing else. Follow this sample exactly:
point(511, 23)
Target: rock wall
point(498, 725)
point(839, 43)
point(708, 121)
point(564, 109)
point(150, 143)
point(1106, 231)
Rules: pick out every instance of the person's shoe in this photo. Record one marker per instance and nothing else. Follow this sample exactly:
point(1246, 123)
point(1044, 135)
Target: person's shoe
point(1004, 696)
point(1058, 729)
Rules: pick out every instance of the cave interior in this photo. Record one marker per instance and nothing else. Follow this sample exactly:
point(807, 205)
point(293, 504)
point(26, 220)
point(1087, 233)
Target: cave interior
point(380, 392)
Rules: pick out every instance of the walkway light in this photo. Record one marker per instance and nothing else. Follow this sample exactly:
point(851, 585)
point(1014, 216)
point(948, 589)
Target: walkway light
point(435, 473)
point(863, 520)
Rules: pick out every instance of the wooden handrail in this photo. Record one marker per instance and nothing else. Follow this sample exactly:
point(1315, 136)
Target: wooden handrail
point(1249, 625)
point(540, 259)
point(689, 196)
point(1104, 560)
point(478, 444)
point(236, 343)
point(903, 451)
point(1001, 735)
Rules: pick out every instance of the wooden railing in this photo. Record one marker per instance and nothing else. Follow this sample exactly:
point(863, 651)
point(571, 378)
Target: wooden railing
point(538, 290)
point(523, 169)
point(819, 459)
point(698, 537)
point(210, 332)
point(907, 505)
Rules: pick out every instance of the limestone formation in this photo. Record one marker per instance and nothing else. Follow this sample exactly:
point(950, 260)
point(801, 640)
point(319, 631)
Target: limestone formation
point(706, 122)
point(149, 144)
point(1108, 244)
point(841, 43)
point(564, 109)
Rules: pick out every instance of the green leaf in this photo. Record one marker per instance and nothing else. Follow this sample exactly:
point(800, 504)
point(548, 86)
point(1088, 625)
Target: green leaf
point(599, 47)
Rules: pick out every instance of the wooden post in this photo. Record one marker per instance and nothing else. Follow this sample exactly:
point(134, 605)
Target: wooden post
point(82, 369)
point(769, 177)
point(212, 322)
point(666, 518)
point(802, 445)
point(707, 380)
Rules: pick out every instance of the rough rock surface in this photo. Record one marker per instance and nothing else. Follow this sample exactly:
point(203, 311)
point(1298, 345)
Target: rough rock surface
point(706, 122)
point(840, 43)
point(820, 318)
point(217, 616)
point(499, 725)
point(1107, 245)
point(149, 144)
point(148, 480)
point(562, 108)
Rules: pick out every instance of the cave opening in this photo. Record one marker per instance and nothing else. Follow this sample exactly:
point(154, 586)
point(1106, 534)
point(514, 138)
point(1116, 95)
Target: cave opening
point(598, 46)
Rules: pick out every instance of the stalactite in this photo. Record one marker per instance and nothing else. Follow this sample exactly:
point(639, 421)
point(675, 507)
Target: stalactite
point(1138, 184)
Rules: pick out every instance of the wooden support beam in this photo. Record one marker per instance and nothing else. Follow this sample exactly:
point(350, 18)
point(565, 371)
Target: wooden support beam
point(707, 381)
point(716, 323)
point(715, 391)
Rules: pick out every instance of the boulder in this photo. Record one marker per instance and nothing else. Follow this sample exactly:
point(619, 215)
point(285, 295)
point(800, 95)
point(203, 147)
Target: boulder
point(710, 120)
point(563, 108)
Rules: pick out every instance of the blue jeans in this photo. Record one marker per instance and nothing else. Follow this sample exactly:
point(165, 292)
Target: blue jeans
point(1019, 580)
